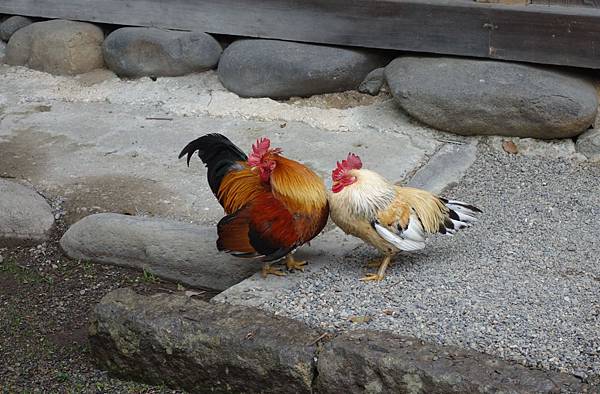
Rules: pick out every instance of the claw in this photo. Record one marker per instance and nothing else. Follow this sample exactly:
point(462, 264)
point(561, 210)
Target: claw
point(293, 264)
point(380, 272)
point(372, 277)
point(267, 269)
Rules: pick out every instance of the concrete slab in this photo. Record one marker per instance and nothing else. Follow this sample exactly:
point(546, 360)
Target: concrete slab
point(113, 146)
point(446, 167)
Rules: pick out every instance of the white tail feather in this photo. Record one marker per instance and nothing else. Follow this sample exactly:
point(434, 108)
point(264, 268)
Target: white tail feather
point(400, 243)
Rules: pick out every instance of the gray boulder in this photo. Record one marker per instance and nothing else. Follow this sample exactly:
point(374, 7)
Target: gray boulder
point(11, 25)
point(200, 347)
point(25, 217)
point(139, 51)
point(588, 144)
point(178, 251)
point(373, 82)
point(58, 47)
point(484, 97)
point(380, 362)
point(281, 69)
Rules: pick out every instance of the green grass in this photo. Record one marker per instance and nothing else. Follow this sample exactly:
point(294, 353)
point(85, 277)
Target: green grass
point(62, 376)
point(23, 274)
point(88, 268)
point(149, 277)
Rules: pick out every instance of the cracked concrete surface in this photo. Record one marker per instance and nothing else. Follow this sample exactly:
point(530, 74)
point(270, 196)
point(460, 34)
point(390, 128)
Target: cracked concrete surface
point(113, 146)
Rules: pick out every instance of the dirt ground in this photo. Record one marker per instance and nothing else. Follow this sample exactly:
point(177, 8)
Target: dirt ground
point(45, 304)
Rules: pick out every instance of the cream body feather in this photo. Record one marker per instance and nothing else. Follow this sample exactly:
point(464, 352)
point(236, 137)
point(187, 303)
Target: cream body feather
point(390, 217)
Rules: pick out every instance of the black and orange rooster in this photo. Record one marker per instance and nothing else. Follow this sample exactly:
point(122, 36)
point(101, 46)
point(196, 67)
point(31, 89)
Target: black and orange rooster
point(273, 204)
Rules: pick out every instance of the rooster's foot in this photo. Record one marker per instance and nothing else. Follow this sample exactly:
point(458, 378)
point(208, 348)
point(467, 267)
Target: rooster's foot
point(267, 269)
point(380, 272)
point(293, 264)
point(375, 263)
point(372, 277)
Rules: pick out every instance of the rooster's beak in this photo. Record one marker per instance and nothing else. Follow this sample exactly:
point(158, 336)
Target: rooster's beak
point(254, 169)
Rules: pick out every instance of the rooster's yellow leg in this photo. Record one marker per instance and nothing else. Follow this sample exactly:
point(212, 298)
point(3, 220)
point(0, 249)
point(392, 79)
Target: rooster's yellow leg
point(293, 264)
point(374, 263)
point(380, 272)
point(267, 269)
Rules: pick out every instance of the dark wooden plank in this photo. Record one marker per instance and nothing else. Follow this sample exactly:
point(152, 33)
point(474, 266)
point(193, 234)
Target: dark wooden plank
point(511, 2)
point(552, 35)
point(548, 38)
point(569, 3)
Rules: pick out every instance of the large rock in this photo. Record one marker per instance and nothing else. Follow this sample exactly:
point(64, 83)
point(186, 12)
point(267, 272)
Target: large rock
point(25, 217)
point(206, 347)
point(57, 47)
point(380, 362)
point(11, 25)
point(281, 69)
point(173, 250)
point(484, 97)
point(140, 51)
point(588, 144)
point(201, 347)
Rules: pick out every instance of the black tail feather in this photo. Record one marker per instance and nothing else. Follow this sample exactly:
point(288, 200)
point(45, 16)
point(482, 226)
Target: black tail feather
point(219, 155)
point(461, 204)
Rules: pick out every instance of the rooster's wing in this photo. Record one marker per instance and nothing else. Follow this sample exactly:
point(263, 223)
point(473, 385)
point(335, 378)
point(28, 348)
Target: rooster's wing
point(399, 225)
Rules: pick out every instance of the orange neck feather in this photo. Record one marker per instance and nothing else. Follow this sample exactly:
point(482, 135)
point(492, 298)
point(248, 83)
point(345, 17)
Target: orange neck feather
point(297, 186)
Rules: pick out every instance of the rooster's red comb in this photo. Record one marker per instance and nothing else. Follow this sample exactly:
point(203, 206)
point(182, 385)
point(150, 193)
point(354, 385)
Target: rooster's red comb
point(261, 147)
point(352, 162)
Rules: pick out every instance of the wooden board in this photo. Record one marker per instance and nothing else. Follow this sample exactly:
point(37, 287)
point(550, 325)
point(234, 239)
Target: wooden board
point(535, 33)
point(569, 3)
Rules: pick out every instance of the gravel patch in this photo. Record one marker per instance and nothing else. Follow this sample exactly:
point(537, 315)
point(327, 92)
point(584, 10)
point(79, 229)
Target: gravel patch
point(524, 284)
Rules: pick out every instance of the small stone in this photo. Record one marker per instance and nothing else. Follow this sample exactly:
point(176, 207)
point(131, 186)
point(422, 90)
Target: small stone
point(12, 25)
point(140, 51)
point(57, 47)
point(282, 69)
point(81, 292)
point(510, 147)
point(588, 144)
point(580, 374)
point(373, 82)
point(1, 259)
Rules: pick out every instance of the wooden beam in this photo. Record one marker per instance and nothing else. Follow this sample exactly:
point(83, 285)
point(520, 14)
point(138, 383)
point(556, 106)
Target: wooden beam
point(534, 33)
point(569, 3)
